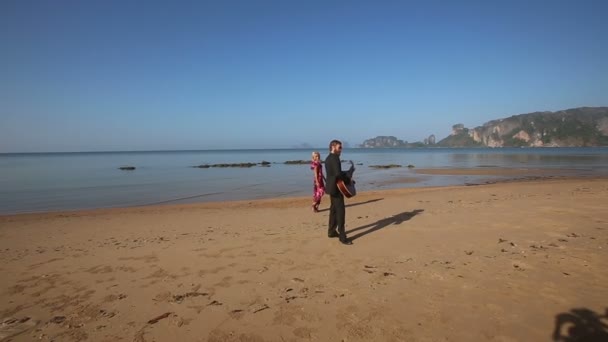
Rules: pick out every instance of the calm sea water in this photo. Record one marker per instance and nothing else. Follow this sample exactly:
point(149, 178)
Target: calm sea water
point(70, 181)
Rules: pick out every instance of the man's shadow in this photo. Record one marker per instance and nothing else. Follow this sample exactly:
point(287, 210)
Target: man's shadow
point(581, 325)
point(356, 204)
point(393, 220)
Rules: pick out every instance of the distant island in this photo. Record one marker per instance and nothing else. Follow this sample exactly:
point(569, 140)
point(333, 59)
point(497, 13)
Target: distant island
point(577, 127)
point(388, 141)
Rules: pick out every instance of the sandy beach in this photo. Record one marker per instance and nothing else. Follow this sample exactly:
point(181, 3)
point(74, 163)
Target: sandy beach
point(516, 261)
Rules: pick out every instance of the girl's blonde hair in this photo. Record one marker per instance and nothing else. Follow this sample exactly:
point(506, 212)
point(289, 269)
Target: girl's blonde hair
point(316, 154)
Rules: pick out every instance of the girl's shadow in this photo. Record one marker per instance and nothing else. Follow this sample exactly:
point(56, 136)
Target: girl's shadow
point(395, 219)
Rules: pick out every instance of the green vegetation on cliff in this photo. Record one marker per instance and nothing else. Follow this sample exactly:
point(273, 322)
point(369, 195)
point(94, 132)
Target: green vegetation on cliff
point(585, 126)
point(459, 139)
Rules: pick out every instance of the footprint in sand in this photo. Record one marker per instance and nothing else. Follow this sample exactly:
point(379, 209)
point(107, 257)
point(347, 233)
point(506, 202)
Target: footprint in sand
point(225, 282)
point(303, 332)
point(145, 258)
point(13, 327)
point(100, 269)
point(112, 297)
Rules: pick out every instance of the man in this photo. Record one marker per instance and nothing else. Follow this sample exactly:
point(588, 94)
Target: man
point(337, 211)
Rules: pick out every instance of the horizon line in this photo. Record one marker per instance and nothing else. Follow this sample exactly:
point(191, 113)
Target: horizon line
point(301, 148)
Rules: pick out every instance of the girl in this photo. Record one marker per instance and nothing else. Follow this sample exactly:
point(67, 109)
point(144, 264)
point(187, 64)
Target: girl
point(319, 187)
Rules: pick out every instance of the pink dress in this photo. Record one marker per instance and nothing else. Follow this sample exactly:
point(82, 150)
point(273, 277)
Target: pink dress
point(318, 191)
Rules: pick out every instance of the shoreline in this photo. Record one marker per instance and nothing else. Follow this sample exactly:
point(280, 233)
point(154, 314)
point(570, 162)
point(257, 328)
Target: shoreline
point(281, 202)
point(511, 176)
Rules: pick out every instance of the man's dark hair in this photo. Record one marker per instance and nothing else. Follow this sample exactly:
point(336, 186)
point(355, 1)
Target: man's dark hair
point(334, 143)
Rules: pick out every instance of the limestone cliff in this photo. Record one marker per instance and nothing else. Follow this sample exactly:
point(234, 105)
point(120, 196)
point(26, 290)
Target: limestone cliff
point(585, 126)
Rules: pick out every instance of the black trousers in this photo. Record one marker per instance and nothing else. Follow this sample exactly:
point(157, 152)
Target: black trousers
point(337, 216)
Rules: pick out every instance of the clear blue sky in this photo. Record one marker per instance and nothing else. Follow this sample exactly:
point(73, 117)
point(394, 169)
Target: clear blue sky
point(139, 75)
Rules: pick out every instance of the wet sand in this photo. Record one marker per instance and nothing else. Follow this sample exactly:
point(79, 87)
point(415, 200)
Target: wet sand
point(498, 262)
point(492, 171)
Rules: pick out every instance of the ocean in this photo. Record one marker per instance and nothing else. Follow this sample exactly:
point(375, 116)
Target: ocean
point(42, 182)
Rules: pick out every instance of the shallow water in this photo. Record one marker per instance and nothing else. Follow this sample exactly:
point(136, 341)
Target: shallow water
point(69, 181)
